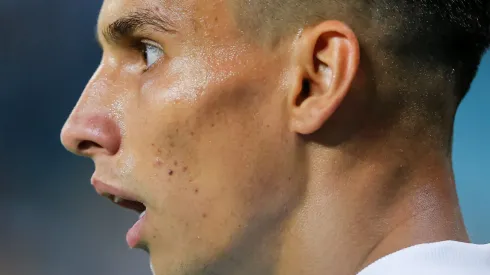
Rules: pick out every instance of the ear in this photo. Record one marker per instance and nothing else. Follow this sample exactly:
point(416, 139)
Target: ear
point(328, 56)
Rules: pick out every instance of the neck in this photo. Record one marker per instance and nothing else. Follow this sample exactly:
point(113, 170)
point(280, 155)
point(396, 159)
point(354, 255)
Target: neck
point(359, 209)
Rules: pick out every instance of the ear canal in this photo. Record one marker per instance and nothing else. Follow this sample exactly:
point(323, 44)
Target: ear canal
point(305, 92)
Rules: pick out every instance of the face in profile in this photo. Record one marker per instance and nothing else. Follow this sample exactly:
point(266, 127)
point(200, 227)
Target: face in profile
point(186, 120)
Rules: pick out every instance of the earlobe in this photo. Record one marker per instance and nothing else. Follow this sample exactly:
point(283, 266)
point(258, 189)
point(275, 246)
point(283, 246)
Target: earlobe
point(329, 60)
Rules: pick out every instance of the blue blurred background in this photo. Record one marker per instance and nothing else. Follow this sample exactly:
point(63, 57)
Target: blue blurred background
point(54, 223)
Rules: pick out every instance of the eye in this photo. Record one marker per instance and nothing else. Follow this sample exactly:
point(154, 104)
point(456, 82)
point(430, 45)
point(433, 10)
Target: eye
point(151, 52)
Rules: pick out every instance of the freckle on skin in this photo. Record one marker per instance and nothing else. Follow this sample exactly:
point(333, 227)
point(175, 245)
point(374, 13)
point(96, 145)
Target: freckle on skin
point(176, 163)
point(196, 190)
point(204, 215)
point(172, 144)
point(212, 125)
point(184, 169)
point(192, 133)
point(170, 172)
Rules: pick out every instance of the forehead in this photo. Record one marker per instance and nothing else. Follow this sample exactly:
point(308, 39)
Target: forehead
point(183, 13)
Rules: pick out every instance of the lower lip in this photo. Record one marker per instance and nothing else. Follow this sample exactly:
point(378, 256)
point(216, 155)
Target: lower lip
point(133, 237)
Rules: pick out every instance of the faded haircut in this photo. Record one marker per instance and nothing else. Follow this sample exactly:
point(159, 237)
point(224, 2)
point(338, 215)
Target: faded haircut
point(414, 44)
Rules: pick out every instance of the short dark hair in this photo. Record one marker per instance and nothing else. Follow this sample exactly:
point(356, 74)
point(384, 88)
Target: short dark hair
point(417, 39)
point(454, 33)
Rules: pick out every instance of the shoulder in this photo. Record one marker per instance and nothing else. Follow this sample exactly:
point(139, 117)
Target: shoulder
point(448, 258)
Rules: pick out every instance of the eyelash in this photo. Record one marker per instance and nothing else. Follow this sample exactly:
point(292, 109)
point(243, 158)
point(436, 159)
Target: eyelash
point(139, 45)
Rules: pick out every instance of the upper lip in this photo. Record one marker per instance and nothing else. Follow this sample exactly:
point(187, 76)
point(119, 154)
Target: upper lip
point(118, 196)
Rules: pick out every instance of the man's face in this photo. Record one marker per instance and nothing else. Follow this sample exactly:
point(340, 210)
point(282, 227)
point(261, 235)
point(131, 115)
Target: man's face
point(193, 123)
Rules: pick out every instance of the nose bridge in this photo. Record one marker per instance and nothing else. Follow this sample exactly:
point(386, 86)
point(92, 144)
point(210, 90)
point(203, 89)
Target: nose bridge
point(99, 90)
point(90, 128)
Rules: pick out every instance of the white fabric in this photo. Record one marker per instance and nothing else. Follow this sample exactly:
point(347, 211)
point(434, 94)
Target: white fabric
point(443, 258)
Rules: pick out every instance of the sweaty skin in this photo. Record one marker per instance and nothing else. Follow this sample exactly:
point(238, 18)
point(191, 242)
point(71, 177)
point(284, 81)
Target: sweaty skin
point(243, 169)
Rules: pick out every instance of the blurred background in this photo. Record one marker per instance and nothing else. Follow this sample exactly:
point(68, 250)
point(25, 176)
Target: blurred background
point(54, 223)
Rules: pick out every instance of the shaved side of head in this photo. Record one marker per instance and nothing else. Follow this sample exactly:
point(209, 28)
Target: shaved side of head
point(424, 54)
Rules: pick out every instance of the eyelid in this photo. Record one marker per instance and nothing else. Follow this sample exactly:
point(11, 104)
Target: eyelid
point(151, 43)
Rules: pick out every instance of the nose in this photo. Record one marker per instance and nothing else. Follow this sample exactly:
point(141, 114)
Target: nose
point(91, 130)
point(91, 134)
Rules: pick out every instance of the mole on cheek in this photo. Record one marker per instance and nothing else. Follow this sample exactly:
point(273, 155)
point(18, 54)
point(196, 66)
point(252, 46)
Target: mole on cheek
point(170, 172)
point(204, 215)
point(196, 190)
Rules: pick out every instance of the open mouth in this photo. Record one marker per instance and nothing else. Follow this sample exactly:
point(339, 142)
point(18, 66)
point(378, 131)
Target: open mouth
point(129, 204)
point(134, 237)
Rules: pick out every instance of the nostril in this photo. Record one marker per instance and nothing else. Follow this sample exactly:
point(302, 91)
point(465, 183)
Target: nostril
point(91, 134)
point(86, 144)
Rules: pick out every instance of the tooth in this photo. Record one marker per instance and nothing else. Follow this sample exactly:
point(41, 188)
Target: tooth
point(117, 199)
point(142, 214)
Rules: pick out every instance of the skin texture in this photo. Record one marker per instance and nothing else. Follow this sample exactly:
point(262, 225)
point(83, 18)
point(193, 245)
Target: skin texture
point(242, 168)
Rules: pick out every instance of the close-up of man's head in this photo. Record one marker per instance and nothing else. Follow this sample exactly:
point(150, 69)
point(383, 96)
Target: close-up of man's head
point(249, 133)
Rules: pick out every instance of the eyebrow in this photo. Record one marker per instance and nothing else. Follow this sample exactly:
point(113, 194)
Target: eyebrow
point(128, 25)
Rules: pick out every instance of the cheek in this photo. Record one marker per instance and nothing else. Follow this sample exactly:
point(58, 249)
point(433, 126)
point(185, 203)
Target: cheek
point(183, 80)
point(202, 124)
point(158, 120)
point(208, 150)
point(161, 140)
